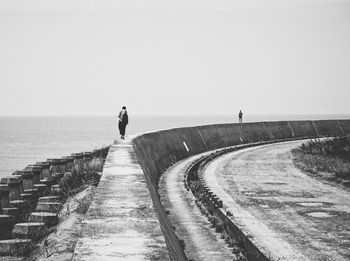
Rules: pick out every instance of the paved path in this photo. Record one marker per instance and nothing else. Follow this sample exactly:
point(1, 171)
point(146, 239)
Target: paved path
point(121, 223)
point(201, 241)
point(285, 212)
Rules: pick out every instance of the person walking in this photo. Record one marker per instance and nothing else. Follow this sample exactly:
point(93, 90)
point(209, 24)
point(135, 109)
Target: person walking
point(240, 116)
point(123, 121)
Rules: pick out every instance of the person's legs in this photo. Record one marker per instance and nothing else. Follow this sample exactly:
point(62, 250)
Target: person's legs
point(122, 130)
point(120, 127)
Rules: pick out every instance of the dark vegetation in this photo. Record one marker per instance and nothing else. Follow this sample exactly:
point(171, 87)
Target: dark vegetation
point(331, 156)
point(83, 174)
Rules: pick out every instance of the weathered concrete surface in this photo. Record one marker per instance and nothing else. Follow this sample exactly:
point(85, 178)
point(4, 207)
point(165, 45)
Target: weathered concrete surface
point(121, 223)
point(201, 241)
point(285, 212)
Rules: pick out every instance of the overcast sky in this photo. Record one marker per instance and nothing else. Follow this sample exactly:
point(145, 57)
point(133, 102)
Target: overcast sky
point(72, 57)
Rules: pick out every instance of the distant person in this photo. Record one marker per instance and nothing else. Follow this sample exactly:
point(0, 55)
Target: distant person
point(240, 116)
point(123, 121)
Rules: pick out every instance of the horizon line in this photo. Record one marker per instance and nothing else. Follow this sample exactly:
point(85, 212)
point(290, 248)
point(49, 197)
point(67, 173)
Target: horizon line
point(209, 114)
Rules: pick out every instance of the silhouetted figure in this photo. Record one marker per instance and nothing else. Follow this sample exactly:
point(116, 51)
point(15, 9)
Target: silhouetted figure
point(123, 121)
point(240, 116)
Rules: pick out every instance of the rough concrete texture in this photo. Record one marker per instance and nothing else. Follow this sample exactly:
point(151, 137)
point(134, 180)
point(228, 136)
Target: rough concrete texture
point(6, 223)
point(49, 199)
point(31, 230)
point(14, 246)
point(11, 211)
point(286, 213)
point(121, 223)
point(50, 219)
point(52, 207)
point(201, 241)
point(43, 190)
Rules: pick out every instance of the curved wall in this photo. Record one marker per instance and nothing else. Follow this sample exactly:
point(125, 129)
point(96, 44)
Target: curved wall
point(158, 150)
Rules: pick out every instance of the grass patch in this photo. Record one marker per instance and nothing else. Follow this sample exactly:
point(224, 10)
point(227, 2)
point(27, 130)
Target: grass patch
point(82, 175)
point(331, 155)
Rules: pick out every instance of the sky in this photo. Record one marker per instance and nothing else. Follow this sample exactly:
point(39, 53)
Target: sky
point(73, 57)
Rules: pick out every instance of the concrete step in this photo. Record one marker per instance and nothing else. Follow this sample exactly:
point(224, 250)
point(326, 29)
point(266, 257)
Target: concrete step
point(29, 230)
point(50, 219)
point(15, 247)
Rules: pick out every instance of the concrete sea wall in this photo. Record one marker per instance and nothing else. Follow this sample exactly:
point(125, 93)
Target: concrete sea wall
point(158, 150)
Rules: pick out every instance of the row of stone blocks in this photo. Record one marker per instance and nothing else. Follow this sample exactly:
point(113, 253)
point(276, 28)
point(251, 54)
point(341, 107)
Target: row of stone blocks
point(25, 233)
point(30, 201)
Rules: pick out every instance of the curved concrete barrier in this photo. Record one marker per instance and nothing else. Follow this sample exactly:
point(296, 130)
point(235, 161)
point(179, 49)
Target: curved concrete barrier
point(158, 150)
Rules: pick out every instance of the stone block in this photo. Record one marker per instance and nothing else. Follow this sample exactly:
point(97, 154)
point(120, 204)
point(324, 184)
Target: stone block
point(15, 247)
point(30, 198)
point(27, 196)
point(23, 173)
point(56, 177)
point(45, 172)
point(27, 176)
point(9, 180)
point(45, 169)
point(46, 182)
point(6, 224)
point(50, 199)
point(52, 207)
point(4, 196)
point(36, 170)
point(27, 183)
point(23, 205)
point(54, 165)
point(50, 219)
point(11, 211)
point(70, 162)
point(32, 191)
point(43, 190)
point(4, 188)
point(77, 156)
point(63, 165)
point(29, 230)
point(15, 186)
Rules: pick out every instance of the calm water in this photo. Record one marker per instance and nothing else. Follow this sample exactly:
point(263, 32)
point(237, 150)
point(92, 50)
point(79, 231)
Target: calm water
point(26, 140)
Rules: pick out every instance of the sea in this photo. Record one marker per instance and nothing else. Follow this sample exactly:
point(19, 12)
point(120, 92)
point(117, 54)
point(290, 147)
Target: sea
point(26, 140)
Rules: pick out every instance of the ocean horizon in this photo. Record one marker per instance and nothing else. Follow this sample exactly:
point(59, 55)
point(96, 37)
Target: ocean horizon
point(25, 140)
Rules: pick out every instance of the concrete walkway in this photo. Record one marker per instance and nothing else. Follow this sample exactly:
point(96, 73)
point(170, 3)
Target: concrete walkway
point(284, 211)
point(202, 243)
point(121, 223)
